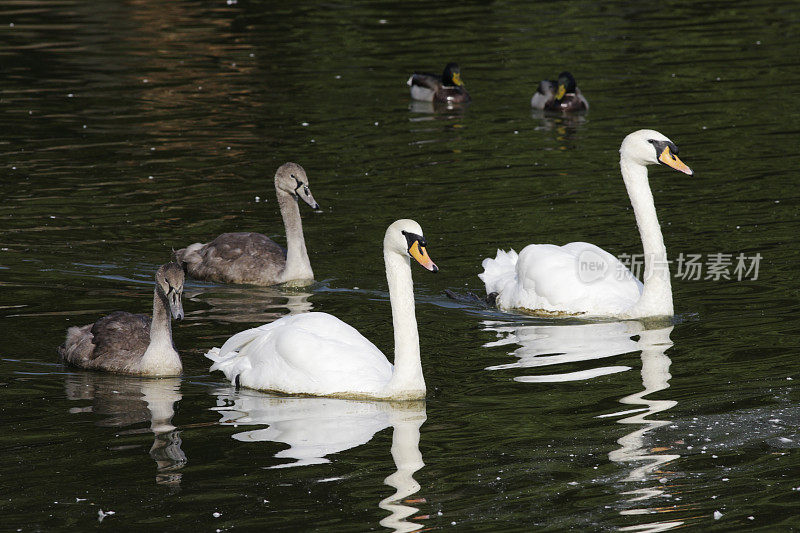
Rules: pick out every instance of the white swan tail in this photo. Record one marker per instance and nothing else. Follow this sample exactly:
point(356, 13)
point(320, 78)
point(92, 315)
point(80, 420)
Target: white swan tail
point(499, 271)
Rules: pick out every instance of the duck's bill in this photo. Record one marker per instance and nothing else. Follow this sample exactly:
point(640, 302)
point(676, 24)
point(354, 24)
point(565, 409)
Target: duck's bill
point(562, 90)
point(672, 160)
point(420, 254)
point(457, 79)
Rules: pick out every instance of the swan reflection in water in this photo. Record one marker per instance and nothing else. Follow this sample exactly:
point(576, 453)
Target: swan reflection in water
point(126, 401)
point(233, 303)
point(315, 428)
point(547, 345)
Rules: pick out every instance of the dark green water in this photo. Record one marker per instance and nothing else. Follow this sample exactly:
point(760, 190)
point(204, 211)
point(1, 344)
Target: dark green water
point(131, 128)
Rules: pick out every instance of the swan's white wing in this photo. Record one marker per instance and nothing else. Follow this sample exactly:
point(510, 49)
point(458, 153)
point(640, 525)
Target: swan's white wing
point(311, 353)
point(555, 278)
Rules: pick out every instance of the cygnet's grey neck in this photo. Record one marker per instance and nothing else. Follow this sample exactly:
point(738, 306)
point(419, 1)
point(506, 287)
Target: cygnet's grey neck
point(160, 358)
point(298, 267)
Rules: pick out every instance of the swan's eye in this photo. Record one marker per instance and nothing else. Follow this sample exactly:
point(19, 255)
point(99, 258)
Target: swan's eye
point(413, 238)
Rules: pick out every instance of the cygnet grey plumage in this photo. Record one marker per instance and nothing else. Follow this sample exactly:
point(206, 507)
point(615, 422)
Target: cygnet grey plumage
point(130, 343)
point(254, 258)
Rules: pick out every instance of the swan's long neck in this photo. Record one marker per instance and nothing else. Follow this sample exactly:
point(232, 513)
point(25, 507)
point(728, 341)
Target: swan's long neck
point(298, 267)
point(160, 358)
point(656, 298)
point(407, 381)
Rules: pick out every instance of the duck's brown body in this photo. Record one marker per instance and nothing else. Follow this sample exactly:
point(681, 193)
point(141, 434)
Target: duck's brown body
point(447, 88)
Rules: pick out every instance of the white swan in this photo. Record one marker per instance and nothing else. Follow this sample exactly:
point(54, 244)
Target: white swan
point(582, 279)
point(318, 354)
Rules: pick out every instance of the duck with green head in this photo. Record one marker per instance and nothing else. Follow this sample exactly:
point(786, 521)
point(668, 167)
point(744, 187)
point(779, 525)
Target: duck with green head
point(562, 95)
point(447, 88)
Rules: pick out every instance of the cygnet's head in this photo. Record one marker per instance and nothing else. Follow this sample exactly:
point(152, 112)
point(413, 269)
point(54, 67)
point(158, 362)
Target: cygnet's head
point(648, 147)
point(405, 237)
point(291, 179)
point(169, 280)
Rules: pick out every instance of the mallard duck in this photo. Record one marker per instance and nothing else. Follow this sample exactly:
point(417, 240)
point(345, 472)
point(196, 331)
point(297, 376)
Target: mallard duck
point(126, 343)
point(253, 258)
point(445, 88)
point(562, 95)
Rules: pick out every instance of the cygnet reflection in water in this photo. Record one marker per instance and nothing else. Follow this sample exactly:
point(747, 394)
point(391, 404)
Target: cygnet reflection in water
point(237, 304)
point(125, 401)
point(315, 428)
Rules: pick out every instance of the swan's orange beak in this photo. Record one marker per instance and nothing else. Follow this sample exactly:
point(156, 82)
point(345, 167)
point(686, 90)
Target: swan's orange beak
point(671, 160)
point(421, 255)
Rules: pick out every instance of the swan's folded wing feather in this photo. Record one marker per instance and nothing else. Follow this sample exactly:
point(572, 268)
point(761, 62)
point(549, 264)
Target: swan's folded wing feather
point(311, 353)
point(550, 278)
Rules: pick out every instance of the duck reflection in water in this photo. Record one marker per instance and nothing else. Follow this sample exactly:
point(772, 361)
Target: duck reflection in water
point(547, 345)
point(315, 428)
point(127, 402)
point(563, 127)
point(238, 304)
point(436, 110)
